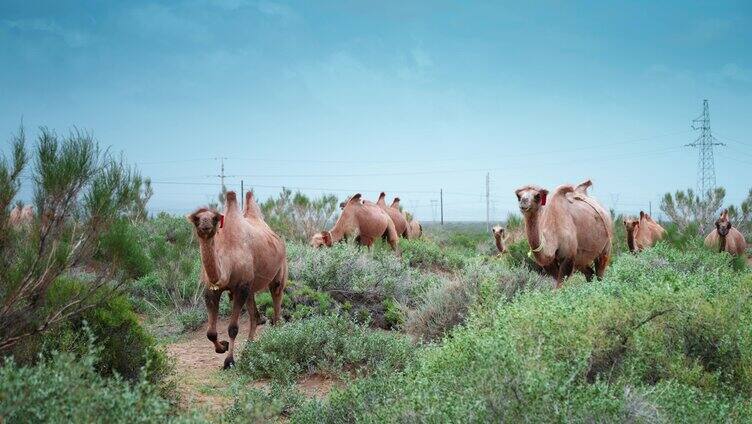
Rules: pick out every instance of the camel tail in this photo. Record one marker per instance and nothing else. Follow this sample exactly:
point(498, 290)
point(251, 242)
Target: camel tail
point(251, 208)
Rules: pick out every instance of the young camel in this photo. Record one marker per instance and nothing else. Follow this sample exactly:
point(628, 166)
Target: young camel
point(242, 255)
point(498, 233)
point(643, 232)
point(725, 237)
point(362, 219)
point(567, 232)
point(400, 223)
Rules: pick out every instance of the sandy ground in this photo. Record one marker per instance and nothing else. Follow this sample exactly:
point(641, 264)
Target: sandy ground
point(203, 384)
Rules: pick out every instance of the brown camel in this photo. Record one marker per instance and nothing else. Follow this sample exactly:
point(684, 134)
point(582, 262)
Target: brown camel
point(643, 232)
point(725, 237)
point(362, 219)
point(400, 223)
point(242, 255)
point(21, 216)
point(568, 231)
point(498, 233)
point(414, 229)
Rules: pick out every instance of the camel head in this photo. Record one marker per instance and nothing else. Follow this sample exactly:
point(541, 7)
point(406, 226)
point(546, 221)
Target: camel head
point(317, 240)
point(631, 224)
point(498, 231)
point(326, 238)
point(722, 224)
point(531, 198)
point(207, 222)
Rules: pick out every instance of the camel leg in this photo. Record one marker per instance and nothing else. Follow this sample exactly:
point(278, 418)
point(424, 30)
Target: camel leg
point(211, 298)
point(239, 299)
point(588, 271)
point(601, 262)
point(277, 290)
point(565, 270)
point(253, 316)
point(393, 238)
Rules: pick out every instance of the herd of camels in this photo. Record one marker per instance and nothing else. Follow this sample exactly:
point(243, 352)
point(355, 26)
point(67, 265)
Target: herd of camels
point(567, 231)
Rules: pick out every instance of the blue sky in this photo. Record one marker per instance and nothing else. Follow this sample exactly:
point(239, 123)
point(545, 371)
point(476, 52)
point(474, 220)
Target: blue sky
point(407, 97)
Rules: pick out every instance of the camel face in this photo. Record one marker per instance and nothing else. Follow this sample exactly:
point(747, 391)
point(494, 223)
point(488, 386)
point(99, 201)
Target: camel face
point(318, 240)
point(206, 222)
point(531, 198)
point(631, 225)
point(723, 227)
point(498, 231)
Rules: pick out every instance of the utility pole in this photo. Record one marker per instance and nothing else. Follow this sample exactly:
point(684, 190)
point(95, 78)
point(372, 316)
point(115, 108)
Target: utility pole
point(242, 196)
point(441, 196)
point(705, 143)
point(650, 208)
point(488, 210)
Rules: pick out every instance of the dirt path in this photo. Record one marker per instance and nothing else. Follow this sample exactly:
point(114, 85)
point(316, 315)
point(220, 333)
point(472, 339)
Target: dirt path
point(203, 384)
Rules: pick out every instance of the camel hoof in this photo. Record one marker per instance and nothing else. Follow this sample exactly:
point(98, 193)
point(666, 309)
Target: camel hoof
point(229, 363)
point(224, 345)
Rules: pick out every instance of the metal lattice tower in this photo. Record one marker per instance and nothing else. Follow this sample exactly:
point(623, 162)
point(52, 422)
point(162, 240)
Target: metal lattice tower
point(705, 143)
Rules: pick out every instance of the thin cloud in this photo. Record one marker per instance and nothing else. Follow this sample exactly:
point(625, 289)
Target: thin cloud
point(71, 37)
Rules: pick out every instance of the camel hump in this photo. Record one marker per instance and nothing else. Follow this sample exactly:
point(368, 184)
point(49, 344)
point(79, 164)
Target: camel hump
point(231, 197)
point(355, 199)
point(583, 186)
point(563, 190)
point(251, 208)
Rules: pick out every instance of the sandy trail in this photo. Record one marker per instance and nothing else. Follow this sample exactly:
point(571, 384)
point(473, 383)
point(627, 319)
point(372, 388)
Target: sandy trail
point(203, 384)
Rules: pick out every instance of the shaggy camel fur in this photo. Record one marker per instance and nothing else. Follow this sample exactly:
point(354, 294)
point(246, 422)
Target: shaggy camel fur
point(242, 255)
point(643, 232)
point(362, 219)
point(568, 231)
point(21, 217)
point(400, 223)
point(725, 237)
point(498, 233)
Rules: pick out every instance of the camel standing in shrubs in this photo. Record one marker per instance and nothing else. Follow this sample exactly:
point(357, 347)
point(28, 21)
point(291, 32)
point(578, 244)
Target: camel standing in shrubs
point(643, 232)
point(400, 223)
point(498, 234)
point(242, 255)
point(725, 237)
point(567, 232)
point(362, 219)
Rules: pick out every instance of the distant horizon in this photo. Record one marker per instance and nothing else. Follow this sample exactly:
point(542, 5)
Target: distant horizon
point(408, 98)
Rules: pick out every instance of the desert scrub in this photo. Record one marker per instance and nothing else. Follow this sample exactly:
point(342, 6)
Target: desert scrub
point(349, 268)
point(445, 306)
point(322, 344)
point(664, 337)
point(262, 405)
point(68, 388)
point(428, 255)
point(124, 346)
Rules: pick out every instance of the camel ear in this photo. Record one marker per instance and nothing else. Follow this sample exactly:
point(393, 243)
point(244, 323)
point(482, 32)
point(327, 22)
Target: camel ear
point(192, 218)
point(517, 193)
point(543, 196)
point(218, 217)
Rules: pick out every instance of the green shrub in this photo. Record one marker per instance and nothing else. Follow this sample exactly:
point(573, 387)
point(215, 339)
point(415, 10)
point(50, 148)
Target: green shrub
point(124, 346)
point(426, 254)
point(192, 319)
point(665, 337)
point(393, 313)
point(121, 248)
point(519, 255)
point(261, 406)
point(319, 344)
point(67, 388)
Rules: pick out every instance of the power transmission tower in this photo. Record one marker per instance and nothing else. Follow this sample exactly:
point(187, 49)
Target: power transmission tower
point(488, 209)
point(705, 143)
point(221, 175)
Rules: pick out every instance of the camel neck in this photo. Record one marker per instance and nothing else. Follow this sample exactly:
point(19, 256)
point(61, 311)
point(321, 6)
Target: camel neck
point(499, 243)
point(533, 230)
point(721, 243)
point(337, 233)
point(630, 240)
point(209, 259)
